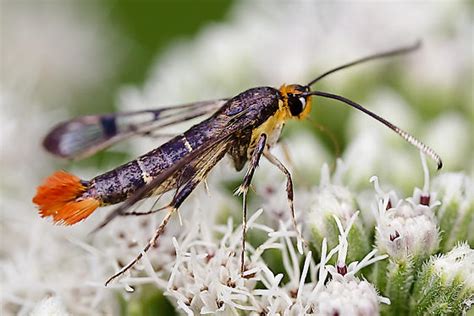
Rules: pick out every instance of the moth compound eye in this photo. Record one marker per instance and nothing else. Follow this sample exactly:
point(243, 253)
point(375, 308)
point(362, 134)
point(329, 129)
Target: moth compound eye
point(296, 104)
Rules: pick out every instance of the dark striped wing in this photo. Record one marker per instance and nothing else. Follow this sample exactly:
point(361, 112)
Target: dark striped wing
point(84, 136)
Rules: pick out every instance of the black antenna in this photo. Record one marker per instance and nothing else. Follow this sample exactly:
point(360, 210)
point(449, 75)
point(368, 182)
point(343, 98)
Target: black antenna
point(406, 136)
point(393, 52)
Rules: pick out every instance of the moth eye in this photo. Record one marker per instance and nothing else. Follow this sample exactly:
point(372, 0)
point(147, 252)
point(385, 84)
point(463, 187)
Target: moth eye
point(296, 104)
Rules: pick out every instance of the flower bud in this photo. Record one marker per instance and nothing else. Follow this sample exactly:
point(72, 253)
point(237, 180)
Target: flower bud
point(446, 283)
point(456, 214)
point(329, 201)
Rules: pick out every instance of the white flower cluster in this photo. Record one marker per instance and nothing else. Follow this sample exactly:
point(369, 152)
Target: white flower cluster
point(407, 228)
point(458, 263)
point(51, 306)
point(206, 278)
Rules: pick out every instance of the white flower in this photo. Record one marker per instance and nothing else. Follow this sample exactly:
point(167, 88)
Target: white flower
point(52, 306)
point(341, 271)
point(205, 276)
point(297, 297)
point(345, 294)
point(390, 198)
point(459, 262)
point(406, 230)
point(348, 298)
point(329, 200)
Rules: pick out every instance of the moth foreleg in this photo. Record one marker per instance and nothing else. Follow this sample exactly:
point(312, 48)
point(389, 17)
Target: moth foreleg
point(243, 189)
point(289, 188)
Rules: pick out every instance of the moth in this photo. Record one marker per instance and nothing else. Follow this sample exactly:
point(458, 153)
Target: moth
point(244, 127)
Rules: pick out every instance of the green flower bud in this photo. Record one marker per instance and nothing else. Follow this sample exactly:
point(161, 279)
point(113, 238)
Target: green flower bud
point(446, 283)
point(329, 201)
point(456, 214)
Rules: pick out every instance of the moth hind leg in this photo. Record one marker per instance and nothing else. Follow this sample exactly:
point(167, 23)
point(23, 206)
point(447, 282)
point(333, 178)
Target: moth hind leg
point(176, 199)
point(150, 243)
point(152, 209)
point(172, 207)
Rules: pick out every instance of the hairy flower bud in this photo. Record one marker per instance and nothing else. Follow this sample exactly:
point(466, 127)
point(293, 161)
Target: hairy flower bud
point(446, 283)
point(331, 200)
point(456, 213)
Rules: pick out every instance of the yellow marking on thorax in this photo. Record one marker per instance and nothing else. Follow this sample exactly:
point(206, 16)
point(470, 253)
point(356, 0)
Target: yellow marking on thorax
point(272, 125)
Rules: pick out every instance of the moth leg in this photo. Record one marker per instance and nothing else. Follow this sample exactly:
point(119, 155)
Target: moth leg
point(150, 243)
point(289, 188)
point(243, 189)
point(151, 211)
point(287, 155)
point(172, 207)
point(138, 213)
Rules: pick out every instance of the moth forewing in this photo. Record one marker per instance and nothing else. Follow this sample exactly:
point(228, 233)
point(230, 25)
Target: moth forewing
point(84, 136)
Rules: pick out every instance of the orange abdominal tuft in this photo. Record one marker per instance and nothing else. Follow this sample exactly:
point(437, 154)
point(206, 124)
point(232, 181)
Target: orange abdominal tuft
point(59, 197)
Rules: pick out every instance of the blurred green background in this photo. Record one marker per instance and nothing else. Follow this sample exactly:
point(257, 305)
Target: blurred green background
point(137, 34)
point(151, 26)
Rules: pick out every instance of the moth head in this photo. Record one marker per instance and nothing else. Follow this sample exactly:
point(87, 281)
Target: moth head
point(297, 105)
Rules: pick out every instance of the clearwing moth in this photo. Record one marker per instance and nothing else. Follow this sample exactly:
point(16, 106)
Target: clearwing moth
point(245, 127)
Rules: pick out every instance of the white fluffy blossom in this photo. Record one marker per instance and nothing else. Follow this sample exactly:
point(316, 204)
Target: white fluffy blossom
point(50, 307)
point(459, 262)
point(329, 199)
point(405, 230)
point(346, 294)
point(349, 298)
point(205, 274)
